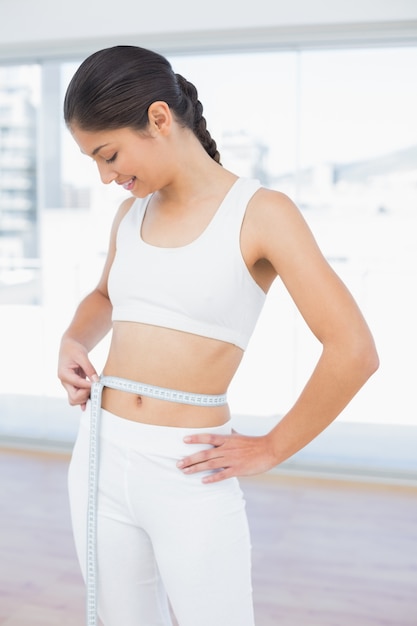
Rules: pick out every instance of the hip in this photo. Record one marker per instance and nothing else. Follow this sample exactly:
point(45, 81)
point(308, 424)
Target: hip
point(152, 450)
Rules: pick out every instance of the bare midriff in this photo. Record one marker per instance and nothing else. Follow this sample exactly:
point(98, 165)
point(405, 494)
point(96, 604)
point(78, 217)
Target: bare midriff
point(173, 359)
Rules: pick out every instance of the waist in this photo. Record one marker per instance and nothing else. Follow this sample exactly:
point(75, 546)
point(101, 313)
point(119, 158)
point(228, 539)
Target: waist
point(150, 437)
point(150, 404)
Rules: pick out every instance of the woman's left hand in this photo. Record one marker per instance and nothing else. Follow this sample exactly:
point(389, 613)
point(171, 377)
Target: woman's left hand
point(230, 455)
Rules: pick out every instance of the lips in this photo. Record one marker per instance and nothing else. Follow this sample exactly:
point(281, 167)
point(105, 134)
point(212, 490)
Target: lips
point(129, 184)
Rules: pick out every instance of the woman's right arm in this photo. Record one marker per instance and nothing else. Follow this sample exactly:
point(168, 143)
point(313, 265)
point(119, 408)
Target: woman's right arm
point(91, 322)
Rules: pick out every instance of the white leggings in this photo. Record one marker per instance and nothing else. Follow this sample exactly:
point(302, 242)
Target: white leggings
point(161, 534)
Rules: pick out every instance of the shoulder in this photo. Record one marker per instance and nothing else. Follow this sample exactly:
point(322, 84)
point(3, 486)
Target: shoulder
point(123, 209)
point(274, 225)
point(268, 204)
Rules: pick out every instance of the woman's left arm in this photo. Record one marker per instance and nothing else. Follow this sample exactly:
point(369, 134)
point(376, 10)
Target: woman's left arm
point(280, 235)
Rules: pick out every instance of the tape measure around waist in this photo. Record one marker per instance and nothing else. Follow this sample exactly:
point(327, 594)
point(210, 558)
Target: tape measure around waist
point(142, 389)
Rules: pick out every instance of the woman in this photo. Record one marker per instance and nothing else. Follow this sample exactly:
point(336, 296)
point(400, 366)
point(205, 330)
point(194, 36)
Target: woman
point(192, 255)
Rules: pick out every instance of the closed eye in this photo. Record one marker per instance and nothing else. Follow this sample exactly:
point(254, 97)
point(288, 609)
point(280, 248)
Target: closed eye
point(112, 159)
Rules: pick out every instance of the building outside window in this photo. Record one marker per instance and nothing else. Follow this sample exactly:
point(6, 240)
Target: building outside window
point(19, 228)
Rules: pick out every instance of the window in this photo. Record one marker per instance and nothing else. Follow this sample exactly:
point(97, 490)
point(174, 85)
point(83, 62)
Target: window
point(358, 187)
point(333, 129)
point(19, 241)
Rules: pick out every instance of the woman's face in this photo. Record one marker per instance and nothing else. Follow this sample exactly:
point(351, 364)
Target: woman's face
point(130, 158)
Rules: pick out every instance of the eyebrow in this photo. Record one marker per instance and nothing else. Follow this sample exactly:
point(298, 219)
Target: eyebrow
point(94, 152)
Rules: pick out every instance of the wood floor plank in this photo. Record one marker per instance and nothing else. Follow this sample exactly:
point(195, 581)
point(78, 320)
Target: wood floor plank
point(325, 552)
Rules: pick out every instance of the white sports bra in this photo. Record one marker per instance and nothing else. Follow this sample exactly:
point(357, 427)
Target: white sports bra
point(204, 287)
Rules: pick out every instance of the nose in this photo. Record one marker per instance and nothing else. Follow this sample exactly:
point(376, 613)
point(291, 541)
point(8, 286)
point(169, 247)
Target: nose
point(107, 174)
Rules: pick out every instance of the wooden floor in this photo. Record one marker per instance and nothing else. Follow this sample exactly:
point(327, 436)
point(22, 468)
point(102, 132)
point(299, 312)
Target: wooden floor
point(325, 552)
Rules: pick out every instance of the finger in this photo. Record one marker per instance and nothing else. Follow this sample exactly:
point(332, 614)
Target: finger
point(200, 461)
point(78, 366)
point(217, 472)
point(86, 368)
point(73, 379)
point(76, 395)
point(206, 438)
point(92, 374)
point(74, 401)
point(216, 477)
point(213, 440)
point(87, 374)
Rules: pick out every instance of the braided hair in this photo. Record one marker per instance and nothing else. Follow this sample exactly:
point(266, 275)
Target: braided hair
point(114, 88)
point(193, 117)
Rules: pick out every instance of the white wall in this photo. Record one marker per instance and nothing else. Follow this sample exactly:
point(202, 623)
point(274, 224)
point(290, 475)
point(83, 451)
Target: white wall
point(48, 27)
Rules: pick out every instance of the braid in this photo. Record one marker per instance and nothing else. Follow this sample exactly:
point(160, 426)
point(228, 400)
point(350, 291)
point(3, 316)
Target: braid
point(193, 114)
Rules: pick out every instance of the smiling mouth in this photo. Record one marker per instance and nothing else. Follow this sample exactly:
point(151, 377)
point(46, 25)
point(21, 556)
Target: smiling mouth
point(128, 185)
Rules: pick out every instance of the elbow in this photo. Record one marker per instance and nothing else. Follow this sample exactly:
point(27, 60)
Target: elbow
point(366, 358)
point(372, 362)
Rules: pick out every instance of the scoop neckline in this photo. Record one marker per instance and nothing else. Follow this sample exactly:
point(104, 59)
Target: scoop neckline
point(199, 237)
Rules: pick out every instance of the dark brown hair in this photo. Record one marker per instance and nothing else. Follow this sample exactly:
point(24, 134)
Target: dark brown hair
point(114, 88)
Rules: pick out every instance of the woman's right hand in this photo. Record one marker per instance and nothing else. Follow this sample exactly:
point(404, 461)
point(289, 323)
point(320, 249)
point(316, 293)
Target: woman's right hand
point(76, 372)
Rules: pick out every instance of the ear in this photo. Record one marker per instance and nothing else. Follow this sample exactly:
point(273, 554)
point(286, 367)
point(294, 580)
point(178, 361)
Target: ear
point(160, 117)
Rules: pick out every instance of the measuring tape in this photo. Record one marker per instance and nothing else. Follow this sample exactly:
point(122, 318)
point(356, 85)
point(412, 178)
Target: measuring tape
point(140, 389)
